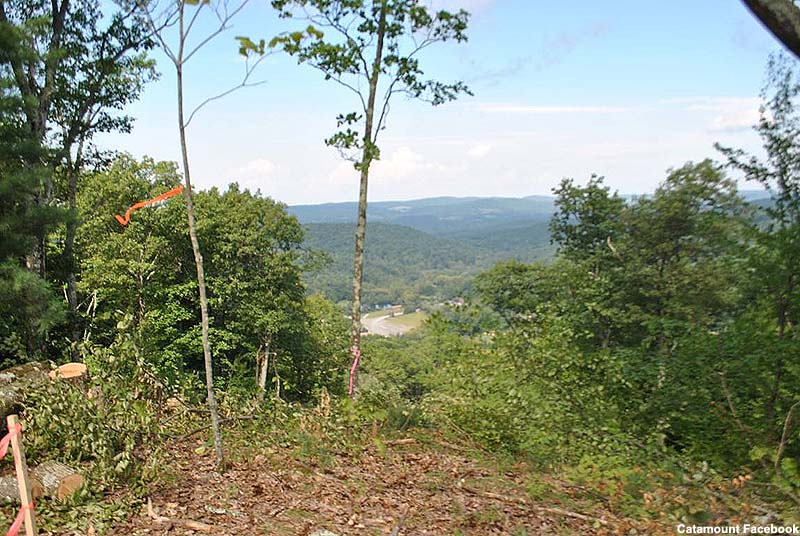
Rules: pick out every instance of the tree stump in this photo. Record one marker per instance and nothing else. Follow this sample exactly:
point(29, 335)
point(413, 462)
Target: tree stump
point(69, 371)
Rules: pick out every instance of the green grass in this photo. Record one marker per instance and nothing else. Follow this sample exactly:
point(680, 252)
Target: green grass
point(409, 320)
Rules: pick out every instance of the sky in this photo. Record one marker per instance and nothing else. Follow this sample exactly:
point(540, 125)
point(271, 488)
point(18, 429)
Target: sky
point(626, 89)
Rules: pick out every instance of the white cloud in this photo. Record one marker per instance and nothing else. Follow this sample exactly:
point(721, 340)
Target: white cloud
point(524, 109)
point(730, 114)
point(479, 150)
point(712, 104)
point(401, 163)
point(342, 174)
point(254, 174)
point(736, 120)
point(259, 166)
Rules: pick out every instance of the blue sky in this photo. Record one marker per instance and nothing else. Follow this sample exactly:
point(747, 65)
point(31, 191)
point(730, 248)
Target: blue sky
point(624, 89)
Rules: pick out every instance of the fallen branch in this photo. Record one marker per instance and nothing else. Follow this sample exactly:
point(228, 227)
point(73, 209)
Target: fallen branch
point(787, 426)
point(186, 523)
point(400, 522)
point(395, 442)
point(567, 513)
point(206, 426)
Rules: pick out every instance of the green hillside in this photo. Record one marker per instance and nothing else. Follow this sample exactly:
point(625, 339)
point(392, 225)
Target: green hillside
point(525, 241)
point(413, 267)
point(427, 250)
point(402, 264)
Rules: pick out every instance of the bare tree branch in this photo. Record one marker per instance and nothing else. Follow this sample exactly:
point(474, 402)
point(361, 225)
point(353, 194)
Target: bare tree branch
point(243, 84)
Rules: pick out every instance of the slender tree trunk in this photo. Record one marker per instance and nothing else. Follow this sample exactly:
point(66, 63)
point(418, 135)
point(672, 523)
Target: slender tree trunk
point(73, 169)
point(277, 377)
point(361, 225)
point(198, 257)
point(262, 375)
point(776, 384)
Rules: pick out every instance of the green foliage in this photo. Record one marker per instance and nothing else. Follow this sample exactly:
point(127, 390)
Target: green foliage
point(587, 218)
point(408, 266)
point(253, 268)
point(66, 71)
point(28, 310)
point(642, 341)
point(374, 45)
point(28, 306)
point(403, 265)
point(110, 427)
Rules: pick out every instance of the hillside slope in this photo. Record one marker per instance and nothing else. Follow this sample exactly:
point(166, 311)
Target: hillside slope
point(401, 264)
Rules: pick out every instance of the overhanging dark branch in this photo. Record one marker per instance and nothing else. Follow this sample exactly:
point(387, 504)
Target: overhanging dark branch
point(782, 18)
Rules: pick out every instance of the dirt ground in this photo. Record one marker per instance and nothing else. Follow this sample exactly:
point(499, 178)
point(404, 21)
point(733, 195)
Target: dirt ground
point(392, 488)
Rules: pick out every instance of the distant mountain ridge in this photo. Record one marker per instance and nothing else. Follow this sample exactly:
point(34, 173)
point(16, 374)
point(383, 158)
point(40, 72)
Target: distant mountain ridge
point(437, 215)
point(452, 215)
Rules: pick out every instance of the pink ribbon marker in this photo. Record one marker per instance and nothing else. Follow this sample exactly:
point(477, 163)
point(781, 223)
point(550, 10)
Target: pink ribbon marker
point(14, 530)
point(7, 440)
point(356, 358)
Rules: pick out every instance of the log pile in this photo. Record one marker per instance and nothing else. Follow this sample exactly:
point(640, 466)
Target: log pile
point(14, 381)
point(50, 479)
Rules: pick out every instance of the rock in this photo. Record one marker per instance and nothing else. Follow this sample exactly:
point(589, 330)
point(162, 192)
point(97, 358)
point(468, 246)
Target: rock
point(323, 532)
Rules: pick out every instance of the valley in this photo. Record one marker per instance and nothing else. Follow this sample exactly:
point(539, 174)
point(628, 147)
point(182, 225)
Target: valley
point(425, 251)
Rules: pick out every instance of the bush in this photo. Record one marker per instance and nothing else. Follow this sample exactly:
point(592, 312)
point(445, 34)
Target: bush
point(109, 423)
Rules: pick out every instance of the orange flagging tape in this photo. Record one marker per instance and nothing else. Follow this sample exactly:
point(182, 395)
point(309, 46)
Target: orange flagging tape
point(166, 195)
point(7, 439)
point(17, 524)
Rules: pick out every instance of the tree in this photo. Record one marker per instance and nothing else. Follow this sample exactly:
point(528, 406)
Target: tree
point(179, 54)
point(73, 67)
point(372, 51)
point(777, 246)
point(33, 35)
point(28, 307)
point(254, 257)
point(587, 227)
point(100, 75)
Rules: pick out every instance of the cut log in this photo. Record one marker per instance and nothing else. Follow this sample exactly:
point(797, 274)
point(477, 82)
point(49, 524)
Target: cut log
point(13, 383)
point(9, 490)
point(50, 479)
point(68, 371)
point(58, 480)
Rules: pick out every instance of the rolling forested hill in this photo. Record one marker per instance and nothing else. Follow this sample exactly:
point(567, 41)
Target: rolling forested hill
point(436, 215)
point(402, 264)
point(426, 250)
